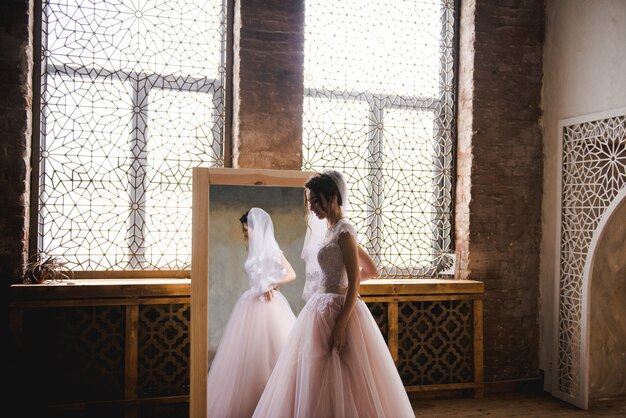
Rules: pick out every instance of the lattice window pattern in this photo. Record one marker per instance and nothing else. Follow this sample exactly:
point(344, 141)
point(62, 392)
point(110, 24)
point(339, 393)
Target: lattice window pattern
point(435, 341)
point(380, 106)
point(164, 354)
point(75, 354)
point(132, 98)
point(593, 172)
point(379, 311)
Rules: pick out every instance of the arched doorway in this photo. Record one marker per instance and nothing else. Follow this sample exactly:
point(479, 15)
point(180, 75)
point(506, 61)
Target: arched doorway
point(603, 350)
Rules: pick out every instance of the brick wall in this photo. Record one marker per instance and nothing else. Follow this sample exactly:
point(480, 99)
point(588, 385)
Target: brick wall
point(269, 52)
point(15, 134)
point(500, 146)
point(503, 164)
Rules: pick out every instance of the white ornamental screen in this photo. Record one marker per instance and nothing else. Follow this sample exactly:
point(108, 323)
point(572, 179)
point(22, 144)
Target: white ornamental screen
point(593, 171)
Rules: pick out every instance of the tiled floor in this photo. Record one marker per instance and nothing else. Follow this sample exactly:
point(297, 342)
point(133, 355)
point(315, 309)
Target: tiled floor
point(514, 405)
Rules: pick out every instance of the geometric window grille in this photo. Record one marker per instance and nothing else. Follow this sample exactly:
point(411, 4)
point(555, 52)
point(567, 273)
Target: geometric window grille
point(593, 172)
point(379, 105)
point(436, 343)
point(132, 97)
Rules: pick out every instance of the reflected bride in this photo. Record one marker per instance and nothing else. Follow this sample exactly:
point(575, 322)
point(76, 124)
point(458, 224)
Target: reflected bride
point(257, 328)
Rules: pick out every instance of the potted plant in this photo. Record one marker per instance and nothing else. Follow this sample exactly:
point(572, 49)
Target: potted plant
point(43, 268)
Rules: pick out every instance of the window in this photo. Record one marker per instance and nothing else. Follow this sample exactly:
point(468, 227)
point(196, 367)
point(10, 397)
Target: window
point(132, 97)
point(379, 104)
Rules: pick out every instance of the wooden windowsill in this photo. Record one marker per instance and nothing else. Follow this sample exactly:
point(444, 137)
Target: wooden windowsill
point(374, 287)
point(102, 289)
point(176, 287)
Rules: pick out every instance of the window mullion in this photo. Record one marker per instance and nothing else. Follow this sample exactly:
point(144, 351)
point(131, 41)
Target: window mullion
point(444, 121)
point(375, 178)
point(137, 174)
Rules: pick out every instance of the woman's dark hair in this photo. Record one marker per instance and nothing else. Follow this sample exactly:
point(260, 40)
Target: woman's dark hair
point(322, 185)
point(244, 218)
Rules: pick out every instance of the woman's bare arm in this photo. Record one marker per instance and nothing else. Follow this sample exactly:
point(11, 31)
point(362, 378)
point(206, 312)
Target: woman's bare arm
point(367, 265)
point(291, 276)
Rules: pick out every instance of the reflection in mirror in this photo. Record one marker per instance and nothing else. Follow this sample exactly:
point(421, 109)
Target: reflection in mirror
point(218, 277)
point(228, 251)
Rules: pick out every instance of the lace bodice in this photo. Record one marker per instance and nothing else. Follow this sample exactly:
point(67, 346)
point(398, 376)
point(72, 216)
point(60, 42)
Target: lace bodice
point(333, 278)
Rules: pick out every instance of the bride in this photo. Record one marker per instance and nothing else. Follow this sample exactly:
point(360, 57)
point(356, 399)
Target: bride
point(335, 362)
point(257, 328)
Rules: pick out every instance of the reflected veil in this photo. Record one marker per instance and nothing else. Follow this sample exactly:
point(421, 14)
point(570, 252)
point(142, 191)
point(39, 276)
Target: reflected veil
point(263, 263)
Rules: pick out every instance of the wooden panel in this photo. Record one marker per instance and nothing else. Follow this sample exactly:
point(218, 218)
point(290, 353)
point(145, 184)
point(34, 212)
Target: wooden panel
point(88, 355)
point(97, 302)
point(434, 316)
point(478, 347)
point(163, 358)
point(388, 287)
point(203, 178)
point(132, 274)
point(416, 298)
point(199, 294)
point(131, 358)
point(452, 386)
point(392, 315)
point(101, 289)
point(77, 354)
point(256, 177)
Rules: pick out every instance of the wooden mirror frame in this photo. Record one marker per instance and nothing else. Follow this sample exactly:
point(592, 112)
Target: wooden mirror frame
point(203, 178)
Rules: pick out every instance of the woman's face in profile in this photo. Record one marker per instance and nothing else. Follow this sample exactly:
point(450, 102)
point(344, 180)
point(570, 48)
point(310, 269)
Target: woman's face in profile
point(317, 204)
point(246, 231)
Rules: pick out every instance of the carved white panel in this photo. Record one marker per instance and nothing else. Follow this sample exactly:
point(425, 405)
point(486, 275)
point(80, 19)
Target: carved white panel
point(593, 170)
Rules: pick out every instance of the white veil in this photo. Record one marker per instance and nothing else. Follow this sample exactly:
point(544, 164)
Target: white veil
point(264, 263)
point(342, 186)
point(315, 234)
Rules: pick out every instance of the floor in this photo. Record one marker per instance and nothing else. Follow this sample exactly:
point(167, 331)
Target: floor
point(514, 405)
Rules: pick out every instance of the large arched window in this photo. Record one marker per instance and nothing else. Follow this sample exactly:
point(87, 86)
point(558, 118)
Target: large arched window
point(132, 96)
point(379, 104)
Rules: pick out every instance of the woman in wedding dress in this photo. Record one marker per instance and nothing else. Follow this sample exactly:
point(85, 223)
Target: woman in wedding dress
point(257, 328)
point(335, 362)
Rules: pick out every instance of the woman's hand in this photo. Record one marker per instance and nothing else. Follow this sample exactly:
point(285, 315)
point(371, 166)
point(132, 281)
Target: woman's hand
point(269, 294)
point(338, 338)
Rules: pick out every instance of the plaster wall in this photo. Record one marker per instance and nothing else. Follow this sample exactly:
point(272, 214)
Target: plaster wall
point(607, 330)
point(584, 67)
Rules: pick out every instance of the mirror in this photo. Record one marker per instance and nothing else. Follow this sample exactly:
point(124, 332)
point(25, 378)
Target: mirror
point(228, 252)
point(220, 197)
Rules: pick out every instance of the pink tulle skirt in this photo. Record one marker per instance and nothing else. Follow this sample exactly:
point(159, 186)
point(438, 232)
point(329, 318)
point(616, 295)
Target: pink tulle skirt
point(252, 341)
point(311, 381)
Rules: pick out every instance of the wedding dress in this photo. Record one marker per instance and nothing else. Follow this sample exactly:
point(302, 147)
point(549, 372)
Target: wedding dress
point(309, 380)
point(256, 330)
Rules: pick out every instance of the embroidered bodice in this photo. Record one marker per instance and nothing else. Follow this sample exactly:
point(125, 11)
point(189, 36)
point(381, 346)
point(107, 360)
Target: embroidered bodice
point(333, 278)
